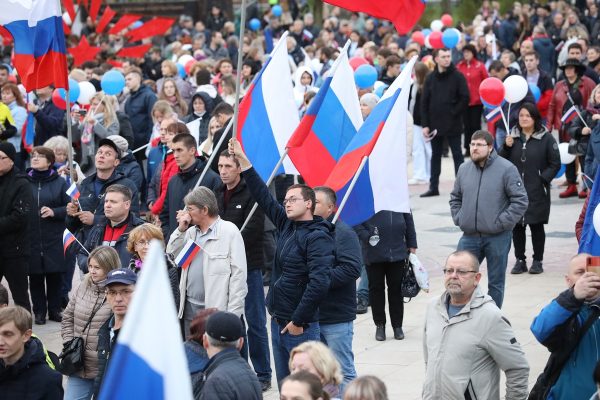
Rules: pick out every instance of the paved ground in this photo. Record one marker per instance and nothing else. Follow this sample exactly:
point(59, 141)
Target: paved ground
point(400, 363)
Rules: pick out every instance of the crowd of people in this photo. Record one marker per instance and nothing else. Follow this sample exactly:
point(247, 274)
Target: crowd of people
point(148, 167)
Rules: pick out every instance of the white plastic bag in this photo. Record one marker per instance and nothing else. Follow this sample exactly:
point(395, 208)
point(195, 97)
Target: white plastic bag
point(420, 272)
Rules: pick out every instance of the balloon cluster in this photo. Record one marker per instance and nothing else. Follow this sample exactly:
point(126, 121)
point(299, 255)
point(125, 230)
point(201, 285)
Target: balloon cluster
point(436, 38)
point(493, 91)
point(112, 83)
point(185, 63)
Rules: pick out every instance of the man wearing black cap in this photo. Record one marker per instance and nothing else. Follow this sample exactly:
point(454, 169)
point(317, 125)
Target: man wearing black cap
point(228, 375)
point(119, 286)
point(15, 204)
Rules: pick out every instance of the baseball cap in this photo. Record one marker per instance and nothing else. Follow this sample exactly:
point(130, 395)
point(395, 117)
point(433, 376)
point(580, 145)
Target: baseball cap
point(224, 326)
point(110, 143)
point(121, 275)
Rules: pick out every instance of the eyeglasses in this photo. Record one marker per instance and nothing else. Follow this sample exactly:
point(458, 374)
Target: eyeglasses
point(123, 293)
point(459, 272)
point(142, 243)
point(478, 144)
point(292, 200)
point(35, 155)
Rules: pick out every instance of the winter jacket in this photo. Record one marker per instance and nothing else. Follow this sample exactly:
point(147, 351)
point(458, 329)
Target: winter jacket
point(198, 125)
point(558, 323)
point(45, 234)
point(340, 304)
point(544, 83)
point(229, 377)
point(305, 254)
point(105, 346)
point(88, 296)
point(223, 266)
point(444, 113)
point(139, 109)
point(30, 378)
point(125, 129)
point(513, 116)
point(474, 72)
point(592, 155)
point(237, 210)
point(180, 185)
point(489, 200)
point(165, 172)
point(576, 126)
point(95, 238)
point(545, 48)
point(48, 122)
point(396, 234)
point(464, 354)
point(197, 359)
point(135, 264)
point(16, 204)
point(538, 161)
point(559, 98)
point(132, 170)
point(19, 114)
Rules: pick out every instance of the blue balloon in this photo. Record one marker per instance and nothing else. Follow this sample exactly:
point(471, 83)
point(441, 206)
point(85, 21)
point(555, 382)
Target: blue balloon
point(380, 90)
point(181, 70)
point(537, 93)
point(112, 82)
point(451, 37)
point(426, 32)
point(73, 91)
point(365, 76)
point(254, 24)
point(136, 24)
point(561, 171)
point(277, 10)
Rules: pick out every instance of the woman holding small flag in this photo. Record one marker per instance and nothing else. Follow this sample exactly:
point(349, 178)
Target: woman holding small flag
point(46, 226)
point(533, 150)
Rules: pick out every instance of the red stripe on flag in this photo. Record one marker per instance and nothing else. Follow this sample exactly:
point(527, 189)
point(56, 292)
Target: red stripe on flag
point(49, 69)
point(302, 131)
point(314, 173)
point(243, 113)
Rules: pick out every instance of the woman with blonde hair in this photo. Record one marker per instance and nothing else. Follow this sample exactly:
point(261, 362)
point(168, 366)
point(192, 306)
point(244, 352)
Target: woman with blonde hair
point(316, 358)
point(99, 123)
point(169, 70)
point(206, 147)
point(366, 387)
point(86, 312)
point(170, 93)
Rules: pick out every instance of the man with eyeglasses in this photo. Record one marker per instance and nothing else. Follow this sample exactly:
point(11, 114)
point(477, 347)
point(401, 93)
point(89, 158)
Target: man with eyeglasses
point(487, 201)
point(119, 286)
point(467, 341)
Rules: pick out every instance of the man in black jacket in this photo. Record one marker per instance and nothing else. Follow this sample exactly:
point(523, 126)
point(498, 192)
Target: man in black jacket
point(304, 257)
point(139, 109)
point(228, 375)
point(338, 309)
point(15, 204)
point(443, 113)
point(48, 117)
point(183, 146)
point(235, 204)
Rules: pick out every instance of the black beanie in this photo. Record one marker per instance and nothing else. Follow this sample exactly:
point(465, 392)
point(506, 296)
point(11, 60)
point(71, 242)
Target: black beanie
point(8, 149)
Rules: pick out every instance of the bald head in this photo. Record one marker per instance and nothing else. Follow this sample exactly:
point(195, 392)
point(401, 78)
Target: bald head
point(576, 268)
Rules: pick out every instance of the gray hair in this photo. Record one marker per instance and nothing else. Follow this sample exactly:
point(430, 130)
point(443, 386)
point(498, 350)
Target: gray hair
point(203, 197)
point(474, 260)
point(57, 142)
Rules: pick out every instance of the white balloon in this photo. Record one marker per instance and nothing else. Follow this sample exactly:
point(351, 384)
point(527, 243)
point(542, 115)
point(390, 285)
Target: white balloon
point(516, 88)
point(377, 84)
point(67, 18)
point(565, 156)
point(437, 25)
point(86, 92)
point(184, 59)
point(596, 220)
point(427, 44)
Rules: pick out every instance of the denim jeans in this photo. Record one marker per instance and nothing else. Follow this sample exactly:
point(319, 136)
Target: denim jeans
point(362, 292)
point(284, 343)
point(495, 250)
point(79, 388)
point(256, 318)
point(338, 337)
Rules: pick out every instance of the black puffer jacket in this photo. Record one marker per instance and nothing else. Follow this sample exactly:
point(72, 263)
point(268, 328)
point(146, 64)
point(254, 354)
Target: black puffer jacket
point(139, 108)
point(30, 378)
point(132, 170)
point(304, 258)
point(45, 234)
point(16, 203)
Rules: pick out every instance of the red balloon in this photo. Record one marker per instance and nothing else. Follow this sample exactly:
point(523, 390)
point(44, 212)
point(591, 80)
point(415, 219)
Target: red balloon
point(435, 40)
point(188, 66)
point(447, 20)
point(491, 91)
point(418, 37)
point(356, 62)
point(58, 101)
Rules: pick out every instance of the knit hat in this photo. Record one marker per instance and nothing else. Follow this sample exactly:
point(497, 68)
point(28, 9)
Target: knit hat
point(111, 144)
point(369, 99)
point(8, 149)
point(224, 326)
point(121, 143)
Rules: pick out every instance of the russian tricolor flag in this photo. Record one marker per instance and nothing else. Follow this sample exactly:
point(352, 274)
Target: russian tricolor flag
point(148, 361)
point(268, 114)
point(39, 42)
point(68, 239)
point(28, 132)
point(493, 116)
point(382, 184)
point(330, 123)
point(569, 115)
point(73, 192)
point(187, 254)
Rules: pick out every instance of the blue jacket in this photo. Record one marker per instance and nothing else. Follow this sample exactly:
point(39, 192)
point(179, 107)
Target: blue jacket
point(139, 109)
point(304, 257)
point(132, 170)
point(48, 122)
point(545, 48)
point(340, 304)
point(575, 381)
point(592, 156)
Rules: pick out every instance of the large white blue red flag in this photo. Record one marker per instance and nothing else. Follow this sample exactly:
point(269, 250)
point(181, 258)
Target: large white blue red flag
point(382, 184)
point(330, 123)
point(268, 114)
point(39, 41)
point(148, 361)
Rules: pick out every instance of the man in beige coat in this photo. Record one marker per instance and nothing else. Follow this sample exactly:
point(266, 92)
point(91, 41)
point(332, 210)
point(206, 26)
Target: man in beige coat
point(216, 276)
point(467, 340)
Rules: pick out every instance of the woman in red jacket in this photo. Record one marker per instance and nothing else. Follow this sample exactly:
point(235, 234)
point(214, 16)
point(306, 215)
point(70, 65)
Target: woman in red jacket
point(474, 72)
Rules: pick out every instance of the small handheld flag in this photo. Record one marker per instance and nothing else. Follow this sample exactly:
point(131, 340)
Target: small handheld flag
point(494, 115)
point(68, 239)
point(569, 115)
point(187, 254)
point(73, 192)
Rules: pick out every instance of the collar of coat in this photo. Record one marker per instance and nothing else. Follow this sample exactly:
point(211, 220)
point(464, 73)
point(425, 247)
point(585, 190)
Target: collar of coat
point(516, 133)
point(478, 299)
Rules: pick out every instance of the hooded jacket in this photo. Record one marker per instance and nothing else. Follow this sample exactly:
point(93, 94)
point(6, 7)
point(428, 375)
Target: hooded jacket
point(464, 354)
point(139, 109)
point(488, 200)
point(559, 98)
point(198, 125)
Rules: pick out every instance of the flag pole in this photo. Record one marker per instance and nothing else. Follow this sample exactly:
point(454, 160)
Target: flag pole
point(236, 108)
point(214, 153)
point(70, 137)
point(504, 119)
point(347, 194)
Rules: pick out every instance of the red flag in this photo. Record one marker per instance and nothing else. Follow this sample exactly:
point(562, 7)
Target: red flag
point(404, 14)
point(83, 52)
point(123, 23)
point(108, 15)
point(66, 28)
point(70, 8)
point(94, 9)
point(154, 27)
point(134, 51)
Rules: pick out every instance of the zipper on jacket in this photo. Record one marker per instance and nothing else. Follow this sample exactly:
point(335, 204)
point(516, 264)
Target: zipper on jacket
point(523, 159)
point(477, 198)
point(40, 218)
point(281, 266)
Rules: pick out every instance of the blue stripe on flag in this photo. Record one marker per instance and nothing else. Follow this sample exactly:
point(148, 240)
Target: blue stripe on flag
point(40, 39)
point(360, 205)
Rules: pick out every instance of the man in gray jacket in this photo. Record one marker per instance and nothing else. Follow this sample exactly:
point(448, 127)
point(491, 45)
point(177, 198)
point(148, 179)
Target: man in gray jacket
point(487, 201)
point(467, 340)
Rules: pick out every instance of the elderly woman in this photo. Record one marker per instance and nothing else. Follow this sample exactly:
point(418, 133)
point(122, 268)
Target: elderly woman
point(60, 145)
point(86, 312)
point(138, 244)
point(317, 359)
